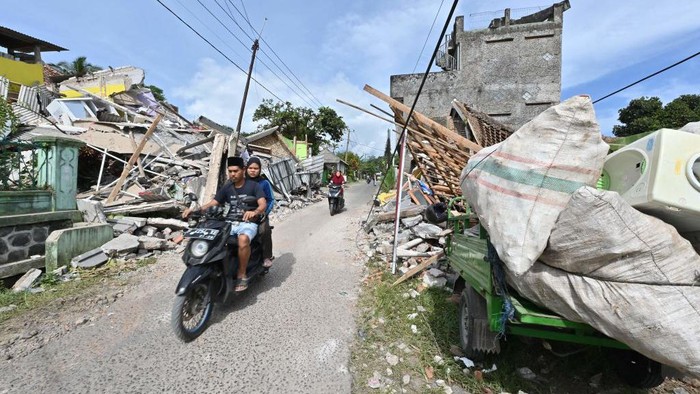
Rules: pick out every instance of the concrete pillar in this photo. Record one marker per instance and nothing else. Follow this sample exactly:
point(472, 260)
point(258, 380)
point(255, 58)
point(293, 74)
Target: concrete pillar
point(37, 54)
point(58, 168)
point(507, 17)
point(459, 25)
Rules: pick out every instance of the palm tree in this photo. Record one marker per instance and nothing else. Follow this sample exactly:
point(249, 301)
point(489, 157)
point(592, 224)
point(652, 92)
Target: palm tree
point(78, 67)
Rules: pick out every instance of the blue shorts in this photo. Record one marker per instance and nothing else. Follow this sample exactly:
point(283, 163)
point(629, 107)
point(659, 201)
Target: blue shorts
point(247, 228)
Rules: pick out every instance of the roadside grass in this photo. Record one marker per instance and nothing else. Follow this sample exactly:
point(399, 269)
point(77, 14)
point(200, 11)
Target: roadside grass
point(384, 327)
point(54, 288)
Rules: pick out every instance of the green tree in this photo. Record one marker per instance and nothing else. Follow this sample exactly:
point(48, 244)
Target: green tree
point(648, 114)
point(354, 162)
point(324, 126)
point(387, 148)
point(78, 67)
point(157, 92)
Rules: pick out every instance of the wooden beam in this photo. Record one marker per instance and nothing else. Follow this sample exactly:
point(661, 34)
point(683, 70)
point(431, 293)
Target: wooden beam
point(454, 137)
point(134, 156)
point(138, 159)
point(420, 267)
point(217, 154)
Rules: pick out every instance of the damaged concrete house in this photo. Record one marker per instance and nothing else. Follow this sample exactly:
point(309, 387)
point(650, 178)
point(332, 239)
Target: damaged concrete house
point(102, 144)
point(493, 80)
point(510, 70)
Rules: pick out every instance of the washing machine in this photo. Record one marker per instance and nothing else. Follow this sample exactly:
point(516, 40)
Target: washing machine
point(660, 175)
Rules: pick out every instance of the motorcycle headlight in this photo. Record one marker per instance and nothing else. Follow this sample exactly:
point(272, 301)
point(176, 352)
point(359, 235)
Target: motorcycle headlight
point(199, 248)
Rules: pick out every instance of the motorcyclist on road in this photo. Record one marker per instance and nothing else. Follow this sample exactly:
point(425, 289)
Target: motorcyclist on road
point(242, 217)
point(253, 173)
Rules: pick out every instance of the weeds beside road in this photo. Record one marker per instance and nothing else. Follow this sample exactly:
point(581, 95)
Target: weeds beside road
point(390, 356)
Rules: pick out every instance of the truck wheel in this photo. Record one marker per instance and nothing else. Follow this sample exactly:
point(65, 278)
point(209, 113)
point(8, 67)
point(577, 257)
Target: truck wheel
point(636, 369)
point(475, 337)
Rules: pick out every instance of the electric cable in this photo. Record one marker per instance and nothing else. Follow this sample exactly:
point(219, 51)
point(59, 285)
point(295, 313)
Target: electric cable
point(218, 50)
point(428, 36)
point(276, 55)
point(262, 51)
point(415, 101)
point(250, 50)
point(648, 76)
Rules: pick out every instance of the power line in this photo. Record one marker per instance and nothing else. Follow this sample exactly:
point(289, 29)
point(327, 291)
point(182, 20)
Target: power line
point(301, 88)
point(242, 43)
point(648, 76)
point(276, 55)
point(217, 49)
point(428, 36)
point(366, 146)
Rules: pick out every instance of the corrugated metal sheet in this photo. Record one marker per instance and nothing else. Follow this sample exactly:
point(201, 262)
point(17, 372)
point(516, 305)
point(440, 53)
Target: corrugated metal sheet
point(312, 164)
point(283, 175)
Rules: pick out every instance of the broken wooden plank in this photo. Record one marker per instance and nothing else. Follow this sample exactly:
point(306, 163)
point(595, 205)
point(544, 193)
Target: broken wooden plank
point(406, 212)
point(138, 158)
point(217, 153)
point(420, 267)
point(134, 156)
point(445, 132)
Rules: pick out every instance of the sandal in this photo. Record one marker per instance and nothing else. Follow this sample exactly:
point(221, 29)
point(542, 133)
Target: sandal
point(268, 262)
point(241, 285)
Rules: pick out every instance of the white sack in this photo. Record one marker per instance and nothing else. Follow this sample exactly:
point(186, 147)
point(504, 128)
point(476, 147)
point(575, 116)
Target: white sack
point(519, 187)
point(627, 274)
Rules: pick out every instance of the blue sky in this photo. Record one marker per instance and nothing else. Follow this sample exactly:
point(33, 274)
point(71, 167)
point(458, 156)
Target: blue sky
point(336, 47)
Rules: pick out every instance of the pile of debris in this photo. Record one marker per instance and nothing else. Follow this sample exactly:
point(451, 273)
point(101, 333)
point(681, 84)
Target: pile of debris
point(419, 243)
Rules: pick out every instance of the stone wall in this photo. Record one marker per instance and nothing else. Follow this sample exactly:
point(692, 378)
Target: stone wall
point(21, 241)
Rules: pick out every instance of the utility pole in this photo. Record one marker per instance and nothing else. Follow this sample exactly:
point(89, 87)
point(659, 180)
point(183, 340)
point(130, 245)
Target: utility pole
point(347, 146)
point(232, 146)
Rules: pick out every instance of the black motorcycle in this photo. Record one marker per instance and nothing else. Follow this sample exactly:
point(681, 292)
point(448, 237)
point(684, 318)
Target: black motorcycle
point(209, 277)
point(336, 198)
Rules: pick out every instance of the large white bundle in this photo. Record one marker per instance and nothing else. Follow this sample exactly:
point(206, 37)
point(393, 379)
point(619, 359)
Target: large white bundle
point(629, 275)
point(519, 187)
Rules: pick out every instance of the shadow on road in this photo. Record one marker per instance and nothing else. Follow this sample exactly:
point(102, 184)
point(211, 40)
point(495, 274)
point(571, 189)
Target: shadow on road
point(280, 271)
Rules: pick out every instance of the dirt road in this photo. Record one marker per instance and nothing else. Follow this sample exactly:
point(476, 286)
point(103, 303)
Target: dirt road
point(290, 332)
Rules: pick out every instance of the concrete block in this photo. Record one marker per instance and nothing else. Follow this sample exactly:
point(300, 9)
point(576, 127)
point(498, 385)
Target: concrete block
point(90, 259)
point(427, 231)
point(27, 280)
point(124, 243)
point(63, 245)
point(152, 243)
point(20, 267)
point(93, 211)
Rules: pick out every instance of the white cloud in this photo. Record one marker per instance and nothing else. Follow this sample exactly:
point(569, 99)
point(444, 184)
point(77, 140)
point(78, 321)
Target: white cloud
point(216, 90)
point(602, 37)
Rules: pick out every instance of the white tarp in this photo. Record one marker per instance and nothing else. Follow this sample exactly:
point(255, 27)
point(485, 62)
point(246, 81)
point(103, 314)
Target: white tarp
point(629, 275)
point(519, 187)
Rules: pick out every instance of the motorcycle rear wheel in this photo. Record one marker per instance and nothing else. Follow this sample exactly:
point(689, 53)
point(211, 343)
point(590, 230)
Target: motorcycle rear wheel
point(191, 312)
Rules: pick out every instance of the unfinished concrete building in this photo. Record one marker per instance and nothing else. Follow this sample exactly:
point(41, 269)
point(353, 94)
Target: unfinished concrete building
point(510, 70)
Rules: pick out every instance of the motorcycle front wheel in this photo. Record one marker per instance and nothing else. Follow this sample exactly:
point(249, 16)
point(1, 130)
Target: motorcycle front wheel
point(191, 312)
point(332, 206)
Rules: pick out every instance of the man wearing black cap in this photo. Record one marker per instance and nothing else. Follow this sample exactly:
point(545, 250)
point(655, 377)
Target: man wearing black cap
point(243, 217)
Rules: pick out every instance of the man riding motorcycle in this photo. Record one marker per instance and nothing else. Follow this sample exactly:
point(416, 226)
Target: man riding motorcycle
point(243, 218)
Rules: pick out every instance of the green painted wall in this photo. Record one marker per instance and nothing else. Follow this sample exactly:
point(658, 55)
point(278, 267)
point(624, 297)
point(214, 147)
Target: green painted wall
point(63, 245)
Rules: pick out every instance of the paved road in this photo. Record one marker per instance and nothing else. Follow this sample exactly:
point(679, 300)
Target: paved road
point(289, 333)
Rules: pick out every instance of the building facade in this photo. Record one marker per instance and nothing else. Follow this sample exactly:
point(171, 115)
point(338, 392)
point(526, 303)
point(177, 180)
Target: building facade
point(510, 70)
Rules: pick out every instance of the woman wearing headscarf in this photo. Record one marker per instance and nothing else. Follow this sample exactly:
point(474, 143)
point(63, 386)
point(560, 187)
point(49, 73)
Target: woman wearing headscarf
point(253, 172)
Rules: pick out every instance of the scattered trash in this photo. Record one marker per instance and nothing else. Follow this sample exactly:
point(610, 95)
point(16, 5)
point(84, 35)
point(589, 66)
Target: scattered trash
point(467, 362)
point(492, 369)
